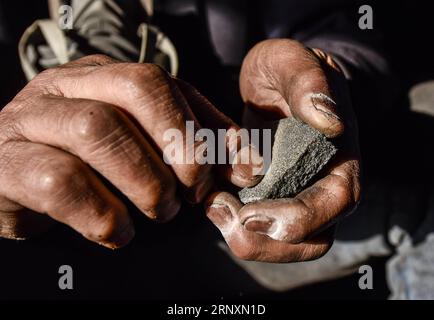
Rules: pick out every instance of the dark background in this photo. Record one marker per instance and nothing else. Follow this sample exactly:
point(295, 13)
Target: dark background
point(181, 259)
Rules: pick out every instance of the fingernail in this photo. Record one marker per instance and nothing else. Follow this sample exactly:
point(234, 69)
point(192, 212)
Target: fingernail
point(325, 105)
point(248, 166)
point(260, 224)
point(122, 239)
point(165, 211)
point(220, 215)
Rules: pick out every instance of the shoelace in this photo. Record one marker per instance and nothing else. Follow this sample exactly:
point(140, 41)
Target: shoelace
point(102, 24)
point(99, 26)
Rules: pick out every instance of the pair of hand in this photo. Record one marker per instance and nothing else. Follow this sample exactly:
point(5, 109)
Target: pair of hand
point(79, 127)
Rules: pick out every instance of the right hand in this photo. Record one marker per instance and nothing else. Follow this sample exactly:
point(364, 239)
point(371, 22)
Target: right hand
point(98, 115)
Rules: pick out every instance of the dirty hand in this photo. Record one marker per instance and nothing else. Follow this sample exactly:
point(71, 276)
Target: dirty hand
point(77, 129)
point(282, 78)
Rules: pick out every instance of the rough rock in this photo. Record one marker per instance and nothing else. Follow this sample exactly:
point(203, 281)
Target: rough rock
point(299, 152)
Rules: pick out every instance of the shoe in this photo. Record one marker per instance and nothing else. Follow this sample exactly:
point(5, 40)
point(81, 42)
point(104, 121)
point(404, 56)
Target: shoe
point(121, 29)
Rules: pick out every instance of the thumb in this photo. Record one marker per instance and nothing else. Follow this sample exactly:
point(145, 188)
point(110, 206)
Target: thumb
point(288, 79)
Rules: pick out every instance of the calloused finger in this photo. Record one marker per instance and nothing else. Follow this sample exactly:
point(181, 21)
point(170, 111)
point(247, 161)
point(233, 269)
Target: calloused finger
point(292, 82)
point(294, 220)
point(50, 181)
point(102, 136)
point(222, 209)
point(151, 97)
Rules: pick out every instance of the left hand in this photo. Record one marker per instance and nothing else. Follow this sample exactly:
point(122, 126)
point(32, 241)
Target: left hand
point(282, 78)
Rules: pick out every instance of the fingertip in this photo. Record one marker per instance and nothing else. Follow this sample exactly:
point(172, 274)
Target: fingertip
point(222, 208)
point(115, 231)
point(220, 198)
point(165, 211)
point(335, 130)
point(247, 168)
point(237, 178)
point(210, 199)
point(121, 240)
point(220, 215)
point(320, 112)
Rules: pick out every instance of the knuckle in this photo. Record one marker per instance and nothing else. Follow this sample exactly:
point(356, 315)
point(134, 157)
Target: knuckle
point(138, 80)
point(43, 83)
point(95, 122)
point(306, 78)
point(151, 71)
point(56, 177)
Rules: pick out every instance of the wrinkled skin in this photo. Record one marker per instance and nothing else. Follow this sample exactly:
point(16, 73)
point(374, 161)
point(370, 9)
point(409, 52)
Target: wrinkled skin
point(282, 78)
point(96, 115)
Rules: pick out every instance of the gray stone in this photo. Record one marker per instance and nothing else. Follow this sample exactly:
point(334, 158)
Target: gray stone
point(422, 98)
point(299, 152)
